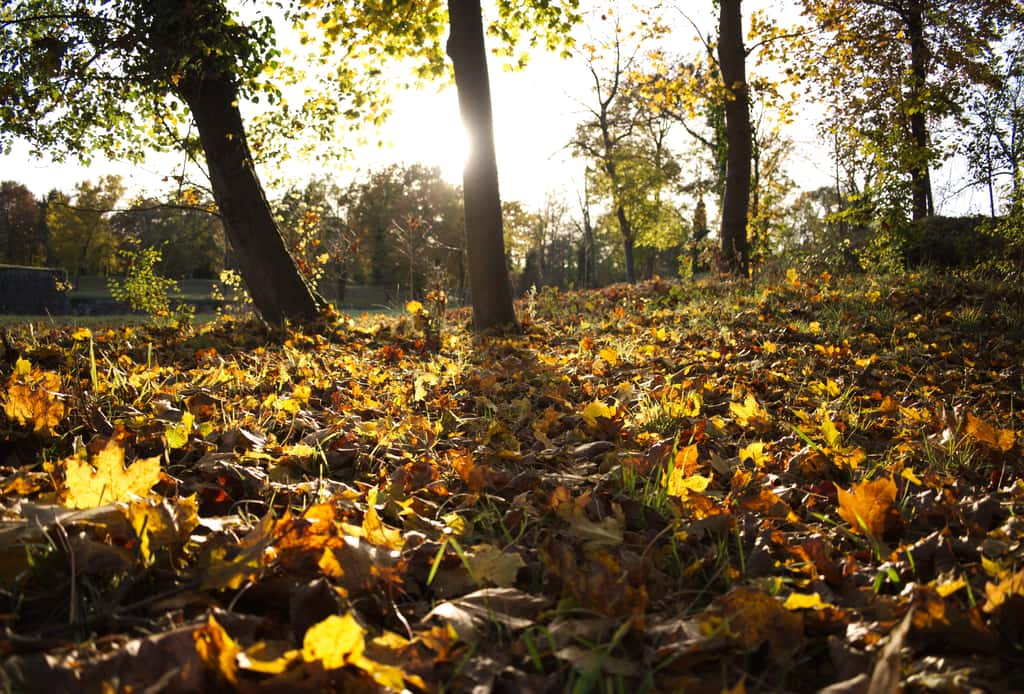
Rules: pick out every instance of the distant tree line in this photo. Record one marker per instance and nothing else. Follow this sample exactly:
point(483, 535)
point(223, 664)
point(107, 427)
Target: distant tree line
point(903, 85)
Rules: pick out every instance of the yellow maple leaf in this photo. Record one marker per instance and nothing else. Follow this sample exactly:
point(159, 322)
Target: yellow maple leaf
point(609, 355)
point(833, 439)
point(680, 482)
point(335, 642)
point(82, 333)
point(749, 412)
point(107, 480)
point(998, 593)
point(374, 529)
point(597, 409)
point(177, 434)
point(414, 307)
point(755, 453)
point(31, 398)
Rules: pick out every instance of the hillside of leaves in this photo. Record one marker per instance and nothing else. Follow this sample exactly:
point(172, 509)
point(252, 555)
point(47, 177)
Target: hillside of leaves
point(698, 487)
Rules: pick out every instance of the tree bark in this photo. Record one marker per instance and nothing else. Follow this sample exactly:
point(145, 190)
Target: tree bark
point(920, 178)
point(735, 257)
point(489, 282)
point(274, 283)
point(627, 242)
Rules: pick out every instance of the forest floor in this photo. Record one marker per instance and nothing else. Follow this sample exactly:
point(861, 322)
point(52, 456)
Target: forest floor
point(699, 487)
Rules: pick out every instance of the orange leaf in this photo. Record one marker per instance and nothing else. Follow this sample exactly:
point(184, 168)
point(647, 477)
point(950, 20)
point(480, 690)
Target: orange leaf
point(866, 505)
point(983, 432)
point(30, 398)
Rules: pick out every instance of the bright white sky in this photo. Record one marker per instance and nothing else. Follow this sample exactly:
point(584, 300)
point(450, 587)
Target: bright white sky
point(535, 114)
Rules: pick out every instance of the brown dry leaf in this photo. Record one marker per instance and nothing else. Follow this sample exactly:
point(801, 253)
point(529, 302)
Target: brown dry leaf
point(867, 504)
point(491, 565)
point(471, 614)
point(887, 674)
point(983, 432)
point(107, 480)
point(31, 398)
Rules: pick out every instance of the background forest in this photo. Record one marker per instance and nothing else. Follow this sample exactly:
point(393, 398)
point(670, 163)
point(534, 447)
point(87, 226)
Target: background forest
point(895, 90)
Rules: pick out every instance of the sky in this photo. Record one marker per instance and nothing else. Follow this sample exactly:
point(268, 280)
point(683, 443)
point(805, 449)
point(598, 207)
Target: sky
point(535, 113)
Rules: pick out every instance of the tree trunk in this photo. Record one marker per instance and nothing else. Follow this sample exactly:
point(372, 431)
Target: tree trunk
point(274, 283)
point(731, 57)
point(627, 243)
point(920, 179)
point(489, 282)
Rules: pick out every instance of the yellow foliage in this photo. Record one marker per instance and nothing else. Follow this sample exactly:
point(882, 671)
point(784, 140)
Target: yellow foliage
point(31, 398)
point(107, 480)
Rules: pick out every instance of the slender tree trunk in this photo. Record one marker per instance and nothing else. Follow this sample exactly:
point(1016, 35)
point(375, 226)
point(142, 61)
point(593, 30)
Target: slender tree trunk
point(627, 243)
point(920, 178)
point(625, 227)
point(489, 283)
point(275, 285)
point(731, 58)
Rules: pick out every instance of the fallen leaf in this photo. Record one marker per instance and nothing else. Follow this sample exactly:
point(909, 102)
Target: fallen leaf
point(983, 432)
point(31, 398)
point(750, 413)
point(107, 480)
point(471, 614)
point(492, 565)
point(866, 506)
point(805, 601)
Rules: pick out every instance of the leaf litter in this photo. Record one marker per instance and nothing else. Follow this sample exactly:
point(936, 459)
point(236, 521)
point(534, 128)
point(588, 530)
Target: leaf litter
point(701, 487)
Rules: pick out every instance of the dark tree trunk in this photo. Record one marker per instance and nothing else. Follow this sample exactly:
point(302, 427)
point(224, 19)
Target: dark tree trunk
point(489, 283)
point(920, 179)
point(731, 58)
point(627, 243)
point(275, 285)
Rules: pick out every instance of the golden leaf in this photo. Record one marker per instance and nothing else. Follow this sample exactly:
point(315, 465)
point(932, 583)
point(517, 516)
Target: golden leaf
point(374, 529)
point(597, 409)
point(802, 601)
point(609, 355)
point(680, 482)
point(755, 453)
point(867, 504)
point(30, 398)
point(161, 522)
point(983, 432)
point(177, 434)
point(832, 436)
point(107, 480)
point(414, 307)
point(218, 650)
point(335, 642)
point(998, 593)
point(749, 412)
